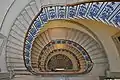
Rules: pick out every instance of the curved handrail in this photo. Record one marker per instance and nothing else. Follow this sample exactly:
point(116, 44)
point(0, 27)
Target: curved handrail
point(6, 14)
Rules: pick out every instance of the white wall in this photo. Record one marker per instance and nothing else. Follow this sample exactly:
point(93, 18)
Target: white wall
point(2, 53)
point(13, 12)
point(54, 78)
point(4, 6)
point(104, 33)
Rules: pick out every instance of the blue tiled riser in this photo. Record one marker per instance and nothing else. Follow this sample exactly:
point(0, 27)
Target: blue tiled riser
point(70, 43)
point(106, 12)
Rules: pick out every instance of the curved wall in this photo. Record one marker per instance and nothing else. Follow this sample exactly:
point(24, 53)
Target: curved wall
point(105, 33)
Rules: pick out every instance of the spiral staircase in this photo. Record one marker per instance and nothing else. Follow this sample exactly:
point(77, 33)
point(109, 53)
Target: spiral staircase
point(30, 23)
